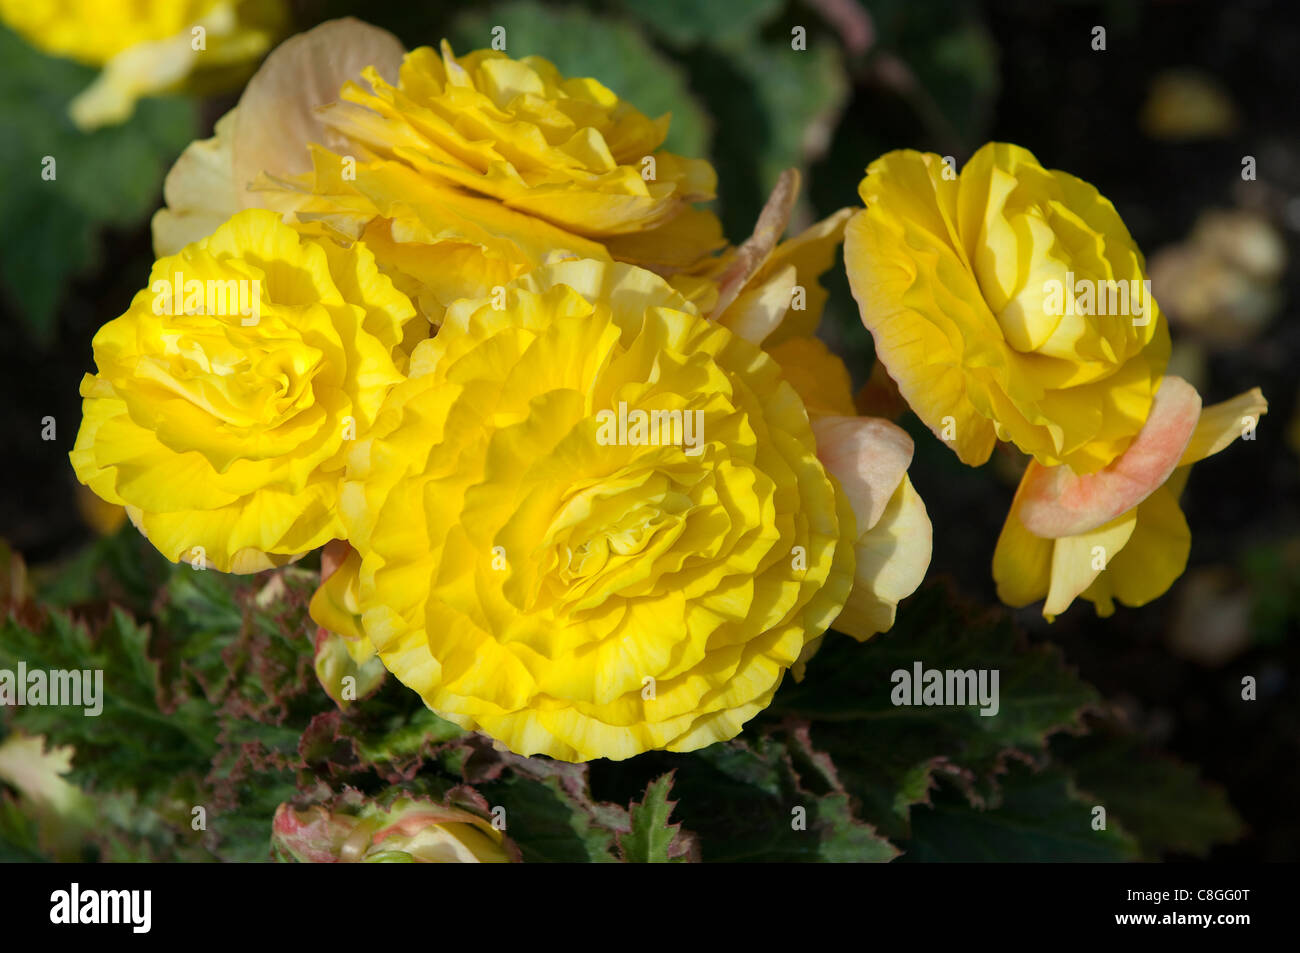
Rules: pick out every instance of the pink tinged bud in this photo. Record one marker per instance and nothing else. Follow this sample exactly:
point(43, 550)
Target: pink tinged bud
point(410, 831)
point(313, 836)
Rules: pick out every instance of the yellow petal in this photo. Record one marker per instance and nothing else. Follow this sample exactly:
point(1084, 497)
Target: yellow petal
point(892, 558)
point(1155, 555)
point(916, 353)
point(1022, 562)
point(1222, 423)
point(1078, 560)
point(817, 373)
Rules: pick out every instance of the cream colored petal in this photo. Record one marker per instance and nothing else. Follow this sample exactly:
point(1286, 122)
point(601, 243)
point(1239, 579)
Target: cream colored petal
point(277, 118)
point(892, 558)
point(869, 457)
point(199, 191)
point(812, 252)
point(758, 311)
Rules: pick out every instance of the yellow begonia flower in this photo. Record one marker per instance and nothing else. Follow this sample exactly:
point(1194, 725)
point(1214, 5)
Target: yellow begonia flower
point(1005, 301)
point(222, 427)
point(470, 171)
point(144, 47)
point(563, 169)
point(1134, 557)
point(775, 297)
point(542, 571)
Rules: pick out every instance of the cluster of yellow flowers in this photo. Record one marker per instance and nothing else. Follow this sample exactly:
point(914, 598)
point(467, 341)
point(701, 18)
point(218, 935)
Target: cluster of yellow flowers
point(589, 480)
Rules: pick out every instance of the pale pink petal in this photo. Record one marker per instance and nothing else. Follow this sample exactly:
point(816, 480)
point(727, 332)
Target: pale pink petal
point(276, 118)
point(199, 192)
point(1058, 502)
point(869, 457)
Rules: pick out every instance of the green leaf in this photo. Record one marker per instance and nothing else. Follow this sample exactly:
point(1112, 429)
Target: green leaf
point(122, 568)
point(550, 822)
point(1039, 817)
point(1162, 801)
point(891, 756)
point(766, 800)
point(131, 742)
point(112, 176)
point(132, 829)
point(208, 714)
point(774, 108)
point(19, 837)
point(214, 703)
point(689, 22)
point(582, 45)
point(406, 733)
point(652, 840)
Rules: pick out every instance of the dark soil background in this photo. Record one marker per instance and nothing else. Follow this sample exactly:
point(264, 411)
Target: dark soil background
point(1077, 109)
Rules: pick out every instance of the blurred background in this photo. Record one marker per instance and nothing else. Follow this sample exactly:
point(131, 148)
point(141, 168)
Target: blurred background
point(1184, 98)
